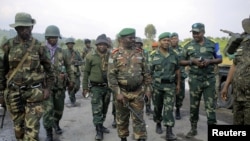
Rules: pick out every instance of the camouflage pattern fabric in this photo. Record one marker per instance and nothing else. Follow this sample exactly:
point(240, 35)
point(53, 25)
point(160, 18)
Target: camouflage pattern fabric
point(55, 105)
point(201, 80)
point(180, 97)
point(163, 69)
point(76, 63)
point(240, 83)
point(26, 111)
point(128, 73)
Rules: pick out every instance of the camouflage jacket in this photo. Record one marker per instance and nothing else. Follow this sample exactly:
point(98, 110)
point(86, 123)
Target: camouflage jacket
point(33, 68)
point(96, 67)
point(75, 60)
point(127, 68)
point(62, 65)
point(178, 51)
point(241, 78)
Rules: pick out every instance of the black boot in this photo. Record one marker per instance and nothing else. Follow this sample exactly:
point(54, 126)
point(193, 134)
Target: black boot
point(114, 123)
point(169, 134)
point(141, 139)
point(193, 131)
point(99, 132)
point(123, 139)
point(49, 134)
point(57, 128)
point(158, 128)
point(177, 114)
point(105, 130)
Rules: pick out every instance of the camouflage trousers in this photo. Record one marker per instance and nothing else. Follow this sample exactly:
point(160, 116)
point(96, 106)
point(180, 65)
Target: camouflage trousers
point(164, 99)
point(54, 107)
point(241, 113)
point(199, 86)
point(123, 114)
point(180, 97)
point(76, 88)
point(26, 121)
point(100, 103)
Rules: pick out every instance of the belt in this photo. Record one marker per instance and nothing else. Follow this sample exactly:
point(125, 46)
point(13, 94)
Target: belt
point(98, 84)
point(130, 89)
point(166, 81)
point(25, 87)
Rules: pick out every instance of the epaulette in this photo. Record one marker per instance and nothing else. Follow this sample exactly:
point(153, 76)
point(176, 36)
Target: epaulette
point(114, 50)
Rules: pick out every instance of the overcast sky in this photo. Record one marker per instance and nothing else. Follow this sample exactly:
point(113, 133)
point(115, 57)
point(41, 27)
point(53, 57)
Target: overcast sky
point(89, 18)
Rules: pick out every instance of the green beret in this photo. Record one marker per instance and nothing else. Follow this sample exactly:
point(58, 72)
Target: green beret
point(126, 32)
point(164, 35)
point(198, 27)
point(174, 34)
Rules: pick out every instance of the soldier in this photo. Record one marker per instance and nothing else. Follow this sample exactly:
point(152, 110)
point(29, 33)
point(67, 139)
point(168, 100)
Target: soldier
point(87, 48)
point(139, 45)
point(179, 97)
point(164, 67)
point(154, 46)
point(239, 77)
point(201, 54)
point(54, 106)
point(22, 77)
point(95, 72)
point(129, 78)
point(76, 61)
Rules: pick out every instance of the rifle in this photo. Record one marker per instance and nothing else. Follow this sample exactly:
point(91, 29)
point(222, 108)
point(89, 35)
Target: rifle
point(3, 115)
point(133, 111)
point(230, 33)
point(2, 107)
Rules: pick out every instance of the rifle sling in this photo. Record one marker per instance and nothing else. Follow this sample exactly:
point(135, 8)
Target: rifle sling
point(21, 62)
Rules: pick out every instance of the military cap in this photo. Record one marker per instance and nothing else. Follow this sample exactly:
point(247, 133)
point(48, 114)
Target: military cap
point(23, 19)
point(164, 35)
point(102, 39)
point(198, 27)
point(87, 41)
point(126, 32)
point(174, 34)
point(246, 25)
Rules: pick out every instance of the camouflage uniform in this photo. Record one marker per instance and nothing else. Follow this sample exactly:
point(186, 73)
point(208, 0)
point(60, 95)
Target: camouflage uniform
point(128, 73)
point(95, 73)
point(24, 93)
point(240, 83)
point(63, 72)
point(76, 62)
point(201, 78)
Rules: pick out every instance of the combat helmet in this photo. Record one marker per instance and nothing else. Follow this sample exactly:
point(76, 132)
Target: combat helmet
point(246, 25)
point(138, 40)
point(70, 40)
point(52, 31)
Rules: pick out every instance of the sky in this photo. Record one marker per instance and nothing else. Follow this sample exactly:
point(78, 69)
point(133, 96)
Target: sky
point(82, 19)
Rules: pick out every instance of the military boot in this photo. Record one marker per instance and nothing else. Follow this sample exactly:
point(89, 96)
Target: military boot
point(123, 139)
point(193, 131)
point(177, 114)
point(105, 130)
point(158, 128)
point(49, 134)
point(99, 132)
point(169, 134)
point(114, 123)
point(141, 139)
point(148, 110)
point(57, 128)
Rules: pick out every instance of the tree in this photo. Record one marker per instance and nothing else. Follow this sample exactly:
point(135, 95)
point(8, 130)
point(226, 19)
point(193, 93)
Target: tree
point(150, 32)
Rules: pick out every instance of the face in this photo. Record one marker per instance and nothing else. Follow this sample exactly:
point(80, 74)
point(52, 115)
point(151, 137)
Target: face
point(174, 41)
point(138, 45)
point(198, 36)
point(165, 43)
point(70, 45)
point(102, 48)
point(87, 44)
point(24, 32)
point(52, 40)
point(128, 41)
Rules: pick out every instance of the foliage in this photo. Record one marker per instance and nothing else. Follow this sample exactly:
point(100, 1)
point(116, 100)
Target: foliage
point(150, 32)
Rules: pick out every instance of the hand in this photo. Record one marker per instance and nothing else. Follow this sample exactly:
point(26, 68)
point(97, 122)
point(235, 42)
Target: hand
point(178, 89)
point(46, 93)
point(148, 94)
point(70, 86)
point(84, 93)
point(206, 62)
point(120, 98)
point(62, 76)
point(224, 93)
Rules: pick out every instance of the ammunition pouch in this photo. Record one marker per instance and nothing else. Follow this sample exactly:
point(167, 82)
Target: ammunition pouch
point(15, 102)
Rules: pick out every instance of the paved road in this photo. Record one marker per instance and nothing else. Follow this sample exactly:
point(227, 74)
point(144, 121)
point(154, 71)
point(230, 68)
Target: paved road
point(77, 124)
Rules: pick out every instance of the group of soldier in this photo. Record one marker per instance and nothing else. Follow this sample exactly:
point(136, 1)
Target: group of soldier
point(35, 76)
